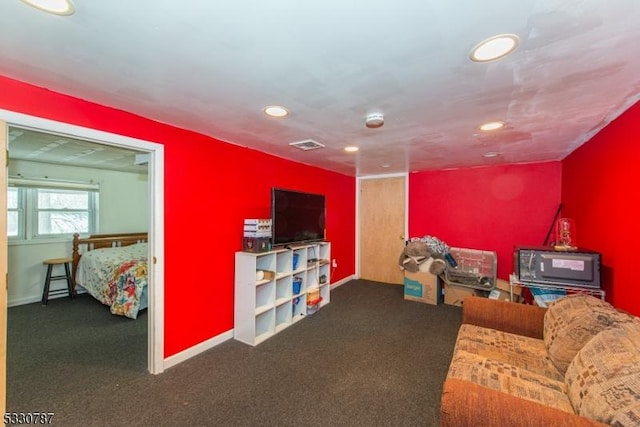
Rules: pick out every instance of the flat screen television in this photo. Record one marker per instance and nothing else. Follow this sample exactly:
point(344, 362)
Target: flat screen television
point(296, 216)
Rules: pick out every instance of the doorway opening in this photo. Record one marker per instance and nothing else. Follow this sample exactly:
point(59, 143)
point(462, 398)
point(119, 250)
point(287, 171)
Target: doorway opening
point(155, 216)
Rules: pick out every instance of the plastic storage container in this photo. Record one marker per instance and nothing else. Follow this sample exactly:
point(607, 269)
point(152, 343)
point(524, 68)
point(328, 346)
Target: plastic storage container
point(297, 285)
point(475, 269)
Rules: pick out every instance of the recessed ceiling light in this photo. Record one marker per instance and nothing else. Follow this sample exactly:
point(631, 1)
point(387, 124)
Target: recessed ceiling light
point(351, 149)
point(276, 111)
point(491, 154)
point(486, 127)
point(386, 165)
point(494, 47)
point(57, 7)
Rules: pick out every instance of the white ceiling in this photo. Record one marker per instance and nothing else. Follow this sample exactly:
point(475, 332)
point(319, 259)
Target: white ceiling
point(211, 66)
point(43, 147)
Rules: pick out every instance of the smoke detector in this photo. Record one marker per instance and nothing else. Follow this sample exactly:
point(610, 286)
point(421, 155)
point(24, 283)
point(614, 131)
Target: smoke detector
point(375, 120)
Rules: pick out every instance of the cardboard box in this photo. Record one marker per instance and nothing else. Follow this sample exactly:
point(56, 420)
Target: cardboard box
point(501, 295)
point(257, 228)
point(455, 295)
point(257, 234)
point(503, 285)
point(502, 291)
point(262, 221)
point(422, 287)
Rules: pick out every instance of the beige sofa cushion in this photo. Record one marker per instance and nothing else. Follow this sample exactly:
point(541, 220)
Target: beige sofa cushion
point(603, 381)
point(517, 350)
point(572, 321)
point(509, 379)
point(508, 363)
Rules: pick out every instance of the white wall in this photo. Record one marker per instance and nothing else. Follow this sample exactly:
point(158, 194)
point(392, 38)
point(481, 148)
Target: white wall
point(123, 208)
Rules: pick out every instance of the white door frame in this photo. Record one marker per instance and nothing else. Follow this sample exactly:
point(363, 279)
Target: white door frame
point(155, 288)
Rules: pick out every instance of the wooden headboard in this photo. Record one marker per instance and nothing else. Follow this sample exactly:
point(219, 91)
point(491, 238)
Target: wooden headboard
point(97, 241)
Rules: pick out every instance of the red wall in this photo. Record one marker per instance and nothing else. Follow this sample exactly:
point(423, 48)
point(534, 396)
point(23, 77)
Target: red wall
point(600, 192)
point(210, 187)
point(489, 208)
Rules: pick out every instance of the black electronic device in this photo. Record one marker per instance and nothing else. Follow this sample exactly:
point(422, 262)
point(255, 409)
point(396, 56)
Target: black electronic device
point(297, 216)
point(543, 265)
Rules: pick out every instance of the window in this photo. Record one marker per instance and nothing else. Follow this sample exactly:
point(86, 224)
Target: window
point(13, 212)
point(62, 211)
point(35, 211)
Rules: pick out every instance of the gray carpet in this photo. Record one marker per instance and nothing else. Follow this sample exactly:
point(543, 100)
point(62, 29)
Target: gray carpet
point(368, 358)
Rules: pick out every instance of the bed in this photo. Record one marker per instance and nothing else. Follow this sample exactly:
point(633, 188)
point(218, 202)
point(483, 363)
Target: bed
point(113, 269)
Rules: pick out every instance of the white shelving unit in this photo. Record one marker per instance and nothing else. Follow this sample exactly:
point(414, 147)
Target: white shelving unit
point(265, 307)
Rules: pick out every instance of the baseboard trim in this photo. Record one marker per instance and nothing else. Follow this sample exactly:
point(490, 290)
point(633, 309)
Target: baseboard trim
point(197, 349)
point(27, 300)
point(343, 281)
point(30, 300)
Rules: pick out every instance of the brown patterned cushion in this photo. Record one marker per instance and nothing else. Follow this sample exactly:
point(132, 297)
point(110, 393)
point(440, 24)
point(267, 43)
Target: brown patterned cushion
point(603, 381)
point(517, 350)
point(572, 321)
point(509, 379)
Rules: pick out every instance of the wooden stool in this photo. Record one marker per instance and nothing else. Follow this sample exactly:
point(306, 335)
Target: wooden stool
point(50, 263)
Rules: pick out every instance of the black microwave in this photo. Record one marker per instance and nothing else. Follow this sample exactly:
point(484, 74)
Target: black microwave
point(579, 268)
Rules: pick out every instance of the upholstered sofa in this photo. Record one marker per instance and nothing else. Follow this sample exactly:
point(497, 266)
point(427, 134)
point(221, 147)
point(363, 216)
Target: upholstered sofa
point(576, 363)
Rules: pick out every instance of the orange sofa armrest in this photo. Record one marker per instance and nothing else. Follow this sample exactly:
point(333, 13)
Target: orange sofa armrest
point(464, 403)
point(521, 319)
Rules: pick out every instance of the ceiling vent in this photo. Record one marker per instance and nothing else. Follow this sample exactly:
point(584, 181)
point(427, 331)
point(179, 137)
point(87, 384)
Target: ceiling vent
point(306, 145)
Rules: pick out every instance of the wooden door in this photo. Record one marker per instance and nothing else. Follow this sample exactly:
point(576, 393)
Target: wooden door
point(3, 266)
point(382, 228)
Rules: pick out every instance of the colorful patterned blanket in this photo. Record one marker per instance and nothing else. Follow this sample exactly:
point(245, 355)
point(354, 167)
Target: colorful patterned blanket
point(125, 288)
point(116, 277)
